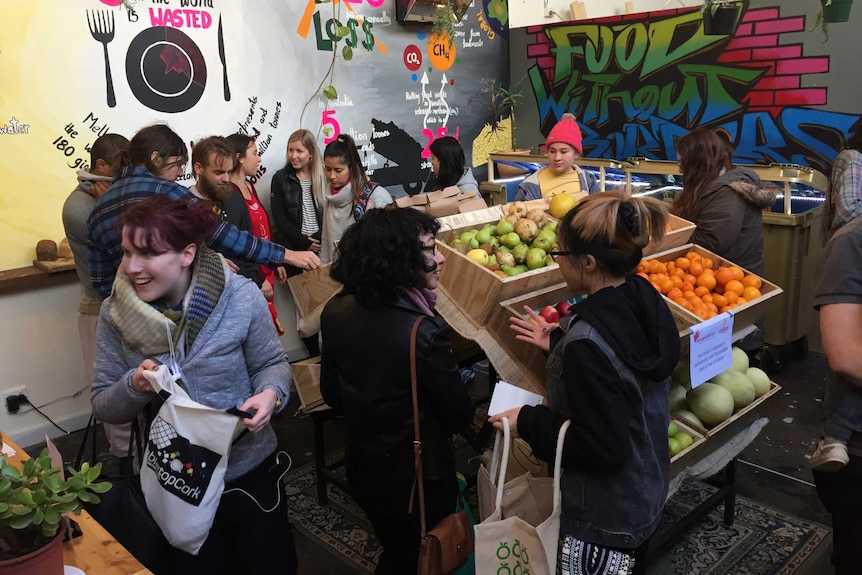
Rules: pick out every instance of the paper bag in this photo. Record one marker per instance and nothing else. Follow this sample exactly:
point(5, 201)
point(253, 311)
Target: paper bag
point(446, 202)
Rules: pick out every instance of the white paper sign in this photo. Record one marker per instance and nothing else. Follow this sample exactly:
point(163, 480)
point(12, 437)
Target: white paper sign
point(506, 396)
point(710, 348)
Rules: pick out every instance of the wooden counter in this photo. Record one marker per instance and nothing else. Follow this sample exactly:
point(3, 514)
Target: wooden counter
point(96, 552)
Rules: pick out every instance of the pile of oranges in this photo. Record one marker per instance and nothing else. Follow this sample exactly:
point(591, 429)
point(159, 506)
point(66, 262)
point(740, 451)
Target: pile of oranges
point(694, 283)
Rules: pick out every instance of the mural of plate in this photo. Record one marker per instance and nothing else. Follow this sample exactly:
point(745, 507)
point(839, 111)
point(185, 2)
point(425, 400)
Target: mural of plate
point(165, 69)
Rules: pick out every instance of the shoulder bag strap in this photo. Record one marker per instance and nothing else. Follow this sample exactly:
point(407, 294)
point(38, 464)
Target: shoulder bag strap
point(417, 442)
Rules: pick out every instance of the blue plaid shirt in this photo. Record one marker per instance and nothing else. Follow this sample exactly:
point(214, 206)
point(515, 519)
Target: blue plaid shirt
point(133, 185)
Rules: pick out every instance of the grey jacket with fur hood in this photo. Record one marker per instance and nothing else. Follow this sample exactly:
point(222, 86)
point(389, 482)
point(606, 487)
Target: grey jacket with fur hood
point(729, 218)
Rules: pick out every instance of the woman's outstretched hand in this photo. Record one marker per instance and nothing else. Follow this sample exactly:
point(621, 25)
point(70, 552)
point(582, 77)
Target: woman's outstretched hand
point(534, 330)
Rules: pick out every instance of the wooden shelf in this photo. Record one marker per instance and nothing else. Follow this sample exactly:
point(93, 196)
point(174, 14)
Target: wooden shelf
point(32, 277)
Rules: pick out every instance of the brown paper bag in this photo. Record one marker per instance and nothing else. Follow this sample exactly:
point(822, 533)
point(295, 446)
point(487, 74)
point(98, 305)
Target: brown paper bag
point(446, 202)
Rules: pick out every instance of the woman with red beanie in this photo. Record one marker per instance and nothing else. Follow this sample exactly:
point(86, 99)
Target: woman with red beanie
point(561, 174)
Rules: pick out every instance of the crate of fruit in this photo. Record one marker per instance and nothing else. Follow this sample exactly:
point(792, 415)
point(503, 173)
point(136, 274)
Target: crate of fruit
point(697, 285)
point(490, 258)
point(553, 304)
point(683, 440)
point(677, 234)
point(555, 206)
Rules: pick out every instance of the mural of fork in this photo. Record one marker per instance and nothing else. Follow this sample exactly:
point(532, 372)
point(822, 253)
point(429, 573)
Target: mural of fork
point(102, 31)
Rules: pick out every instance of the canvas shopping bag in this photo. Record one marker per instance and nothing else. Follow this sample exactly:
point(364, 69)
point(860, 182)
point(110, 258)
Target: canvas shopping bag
point(185, 459)
point(512, 545)
point(528, 495)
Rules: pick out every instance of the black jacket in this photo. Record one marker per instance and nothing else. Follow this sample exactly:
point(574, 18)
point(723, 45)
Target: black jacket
point(286, 204)
point(365, 369)
point(234, 211)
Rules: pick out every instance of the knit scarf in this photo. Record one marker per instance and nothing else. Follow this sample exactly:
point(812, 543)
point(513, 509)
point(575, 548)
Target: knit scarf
point(142, 324)
point(423, 298)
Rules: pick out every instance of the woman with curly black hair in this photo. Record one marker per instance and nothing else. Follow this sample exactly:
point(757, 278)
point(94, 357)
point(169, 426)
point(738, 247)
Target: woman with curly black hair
point(449, 166)
point(390, 266)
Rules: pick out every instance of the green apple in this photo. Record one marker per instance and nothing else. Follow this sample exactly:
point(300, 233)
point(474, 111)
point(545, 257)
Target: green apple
point(520, 252)
point(684, 439)
point(510, 240)
point(535, 258)
point(543, 242)
point(504, 227)
point(550, 226)
point(479, 256)
point(673, 446)
point(672, 429)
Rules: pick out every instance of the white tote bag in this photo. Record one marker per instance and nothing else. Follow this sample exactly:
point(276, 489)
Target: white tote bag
point(512, 545)
point(184, 462)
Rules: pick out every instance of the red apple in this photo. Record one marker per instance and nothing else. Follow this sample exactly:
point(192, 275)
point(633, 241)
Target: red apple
point(564, 307)
point(550, 314)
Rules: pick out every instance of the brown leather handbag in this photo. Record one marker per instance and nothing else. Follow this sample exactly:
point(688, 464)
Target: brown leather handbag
point(448, 546)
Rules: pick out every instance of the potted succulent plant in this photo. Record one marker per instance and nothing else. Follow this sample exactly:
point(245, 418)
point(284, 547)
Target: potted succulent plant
point(835, 10)
point(32, 501)
point(721, 17)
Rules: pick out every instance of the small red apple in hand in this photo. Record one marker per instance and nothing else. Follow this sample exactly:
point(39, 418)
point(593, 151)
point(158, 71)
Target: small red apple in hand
point(564, 308)
point(550, 314)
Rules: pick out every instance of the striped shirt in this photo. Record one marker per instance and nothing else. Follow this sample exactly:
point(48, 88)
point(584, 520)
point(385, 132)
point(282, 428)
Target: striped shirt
point(309, 213)
point(134, 185)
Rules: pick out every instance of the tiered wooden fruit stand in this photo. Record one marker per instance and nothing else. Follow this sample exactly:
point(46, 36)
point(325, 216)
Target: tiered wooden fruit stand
point(478, 304)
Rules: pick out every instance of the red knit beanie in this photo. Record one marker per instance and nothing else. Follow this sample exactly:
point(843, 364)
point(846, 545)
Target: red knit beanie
point(568, 132)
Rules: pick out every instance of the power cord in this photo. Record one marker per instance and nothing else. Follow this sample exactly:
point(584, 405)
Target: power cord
point(13, 403)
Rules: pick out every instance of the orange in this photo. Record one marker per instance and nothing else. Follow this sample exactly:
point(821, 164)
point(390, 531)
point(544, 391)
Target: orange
point(707, 263)
point(719, 300)
point(750, 293)
point(695, 268)
point(643, 275)
point(693, 256)
point(741, 300)
point(654, 266)
point(656, 286)
point(734, 286)
point(674, 294)
point(690, 296)
point(643, 267)
point(666, 285)
point(677, 282)
point(706, 280)
point(690, 279)
point(731, 297)
point(678, 272)
point(701, 291)
point(738, 274)
point(752, 281)
point(722, 276)
point(712, 307)
point(682, 302)
point(707, 298)
point(682, 263)
point(686, 287)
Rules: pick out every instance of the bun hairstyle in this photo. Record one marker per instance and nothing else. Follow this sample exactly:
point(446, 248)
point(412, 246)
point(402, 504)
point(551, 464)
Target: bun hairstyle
point(613, 228)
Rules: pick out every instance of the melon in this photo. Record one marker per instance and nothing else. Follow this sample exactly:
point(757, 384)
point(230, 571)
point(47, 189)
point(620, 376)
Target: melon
point(689, 418)
point(739, 386)
point(676, 398)
point(711, 403)
point(740, 360)
point(760, 380)
point(682, 375)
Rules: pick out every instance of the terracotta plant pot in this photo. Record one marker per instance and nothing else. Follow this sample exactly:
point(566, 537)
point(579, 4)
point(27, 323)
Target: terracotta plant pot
point(47, 560)
point(723, 21)
point(838, 11)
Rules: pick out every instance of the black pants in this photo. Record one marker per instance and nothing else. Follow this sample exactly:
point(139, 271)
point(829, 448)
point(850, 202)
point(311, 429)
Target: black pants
point(386, 501)
point(244, 538)
point(841, 494)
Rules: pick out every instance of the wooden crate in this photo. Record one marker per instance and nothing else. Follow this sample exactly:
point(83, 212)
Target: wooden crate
point(306, 378)
point(682, 459)
point(312, 289)
point(476, 290)
point(679, 234)
point(529, 358)
point(744, 417)
point(743, 316)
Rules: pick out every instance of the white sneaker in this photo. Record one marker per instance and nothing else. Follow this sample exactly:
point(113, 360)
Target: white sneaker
point(830, 456)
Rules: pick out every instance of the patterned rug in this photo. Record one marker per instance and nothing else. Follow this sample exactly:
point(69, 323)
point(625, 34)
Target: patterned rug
point(762, 541)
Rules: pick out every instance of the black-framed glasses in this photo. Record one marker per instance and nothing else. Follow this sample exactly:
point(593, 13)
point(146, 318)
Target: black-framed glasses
point(556, 255)
point(432, 248)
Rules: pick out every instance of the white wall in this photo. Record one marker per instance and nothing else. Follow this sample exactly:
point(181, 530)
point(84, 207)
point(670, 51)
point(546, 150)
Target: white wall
point(39, 349)
point(532, 12)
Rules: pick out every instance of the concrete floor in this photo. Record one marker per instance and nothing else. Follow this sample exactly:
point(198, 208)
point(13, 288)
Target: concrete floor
point(773, 469)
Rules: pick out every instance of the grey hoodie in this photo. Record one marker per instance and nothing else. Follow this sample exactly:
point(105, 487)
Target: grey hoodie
point(468, 183)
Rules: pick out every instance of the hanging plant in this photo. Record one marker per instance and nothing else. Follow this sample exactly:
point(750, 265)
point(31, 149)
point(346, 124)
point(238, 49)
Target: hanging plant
point(443, 25)
point(831, 11)
point(721, 17)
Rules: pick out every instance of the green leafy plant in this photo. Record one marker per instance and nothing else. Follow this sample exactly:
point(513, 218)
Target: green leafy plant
point(443, 25)
point(498, 100)
point(33, 499)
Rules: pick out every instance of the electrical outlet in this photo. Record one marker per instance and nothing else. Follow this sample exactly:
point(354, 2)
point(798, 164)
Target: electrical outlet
point(13, 391)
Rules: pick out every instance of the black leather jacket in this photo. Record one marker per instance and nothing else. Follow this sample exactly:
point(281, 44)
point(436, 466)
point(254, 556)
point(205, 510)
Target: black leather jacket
point(365, 370)
point(286, 204)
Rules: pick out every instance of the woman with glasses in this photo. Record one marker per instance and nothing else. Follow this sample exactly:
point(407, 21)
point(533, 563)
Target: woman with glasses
point(390, 268)
point(609, 368)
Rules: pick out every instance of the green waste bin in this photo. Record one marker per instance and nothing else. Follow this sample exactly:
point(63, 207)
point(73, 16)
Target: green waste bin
point(791, 249)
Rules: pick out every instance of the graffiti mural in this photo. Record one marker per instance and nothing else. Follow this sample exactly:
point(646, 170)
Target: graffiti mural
point(637, 83)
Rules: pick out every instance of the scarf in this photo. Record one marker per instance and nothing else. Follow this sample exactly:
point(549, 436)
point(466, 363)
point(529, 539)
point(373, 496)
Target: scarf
point(423, 298)
point(142, 325)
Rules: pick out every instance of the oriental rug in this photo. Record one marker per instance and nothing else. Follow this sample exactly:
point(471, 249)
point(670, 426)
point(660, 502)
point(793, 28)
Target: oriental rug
point(762, 540)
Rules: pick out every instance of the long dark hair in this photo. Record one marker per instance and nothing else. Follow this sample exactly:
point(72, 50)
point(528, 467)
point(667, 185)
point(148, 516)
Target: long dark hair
point(170, 223)
point(344, 149)
point(381, 254)
point(240, 143)
point(613, 228)
point(452, 161)
point(157, 138)
point(703, 155)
